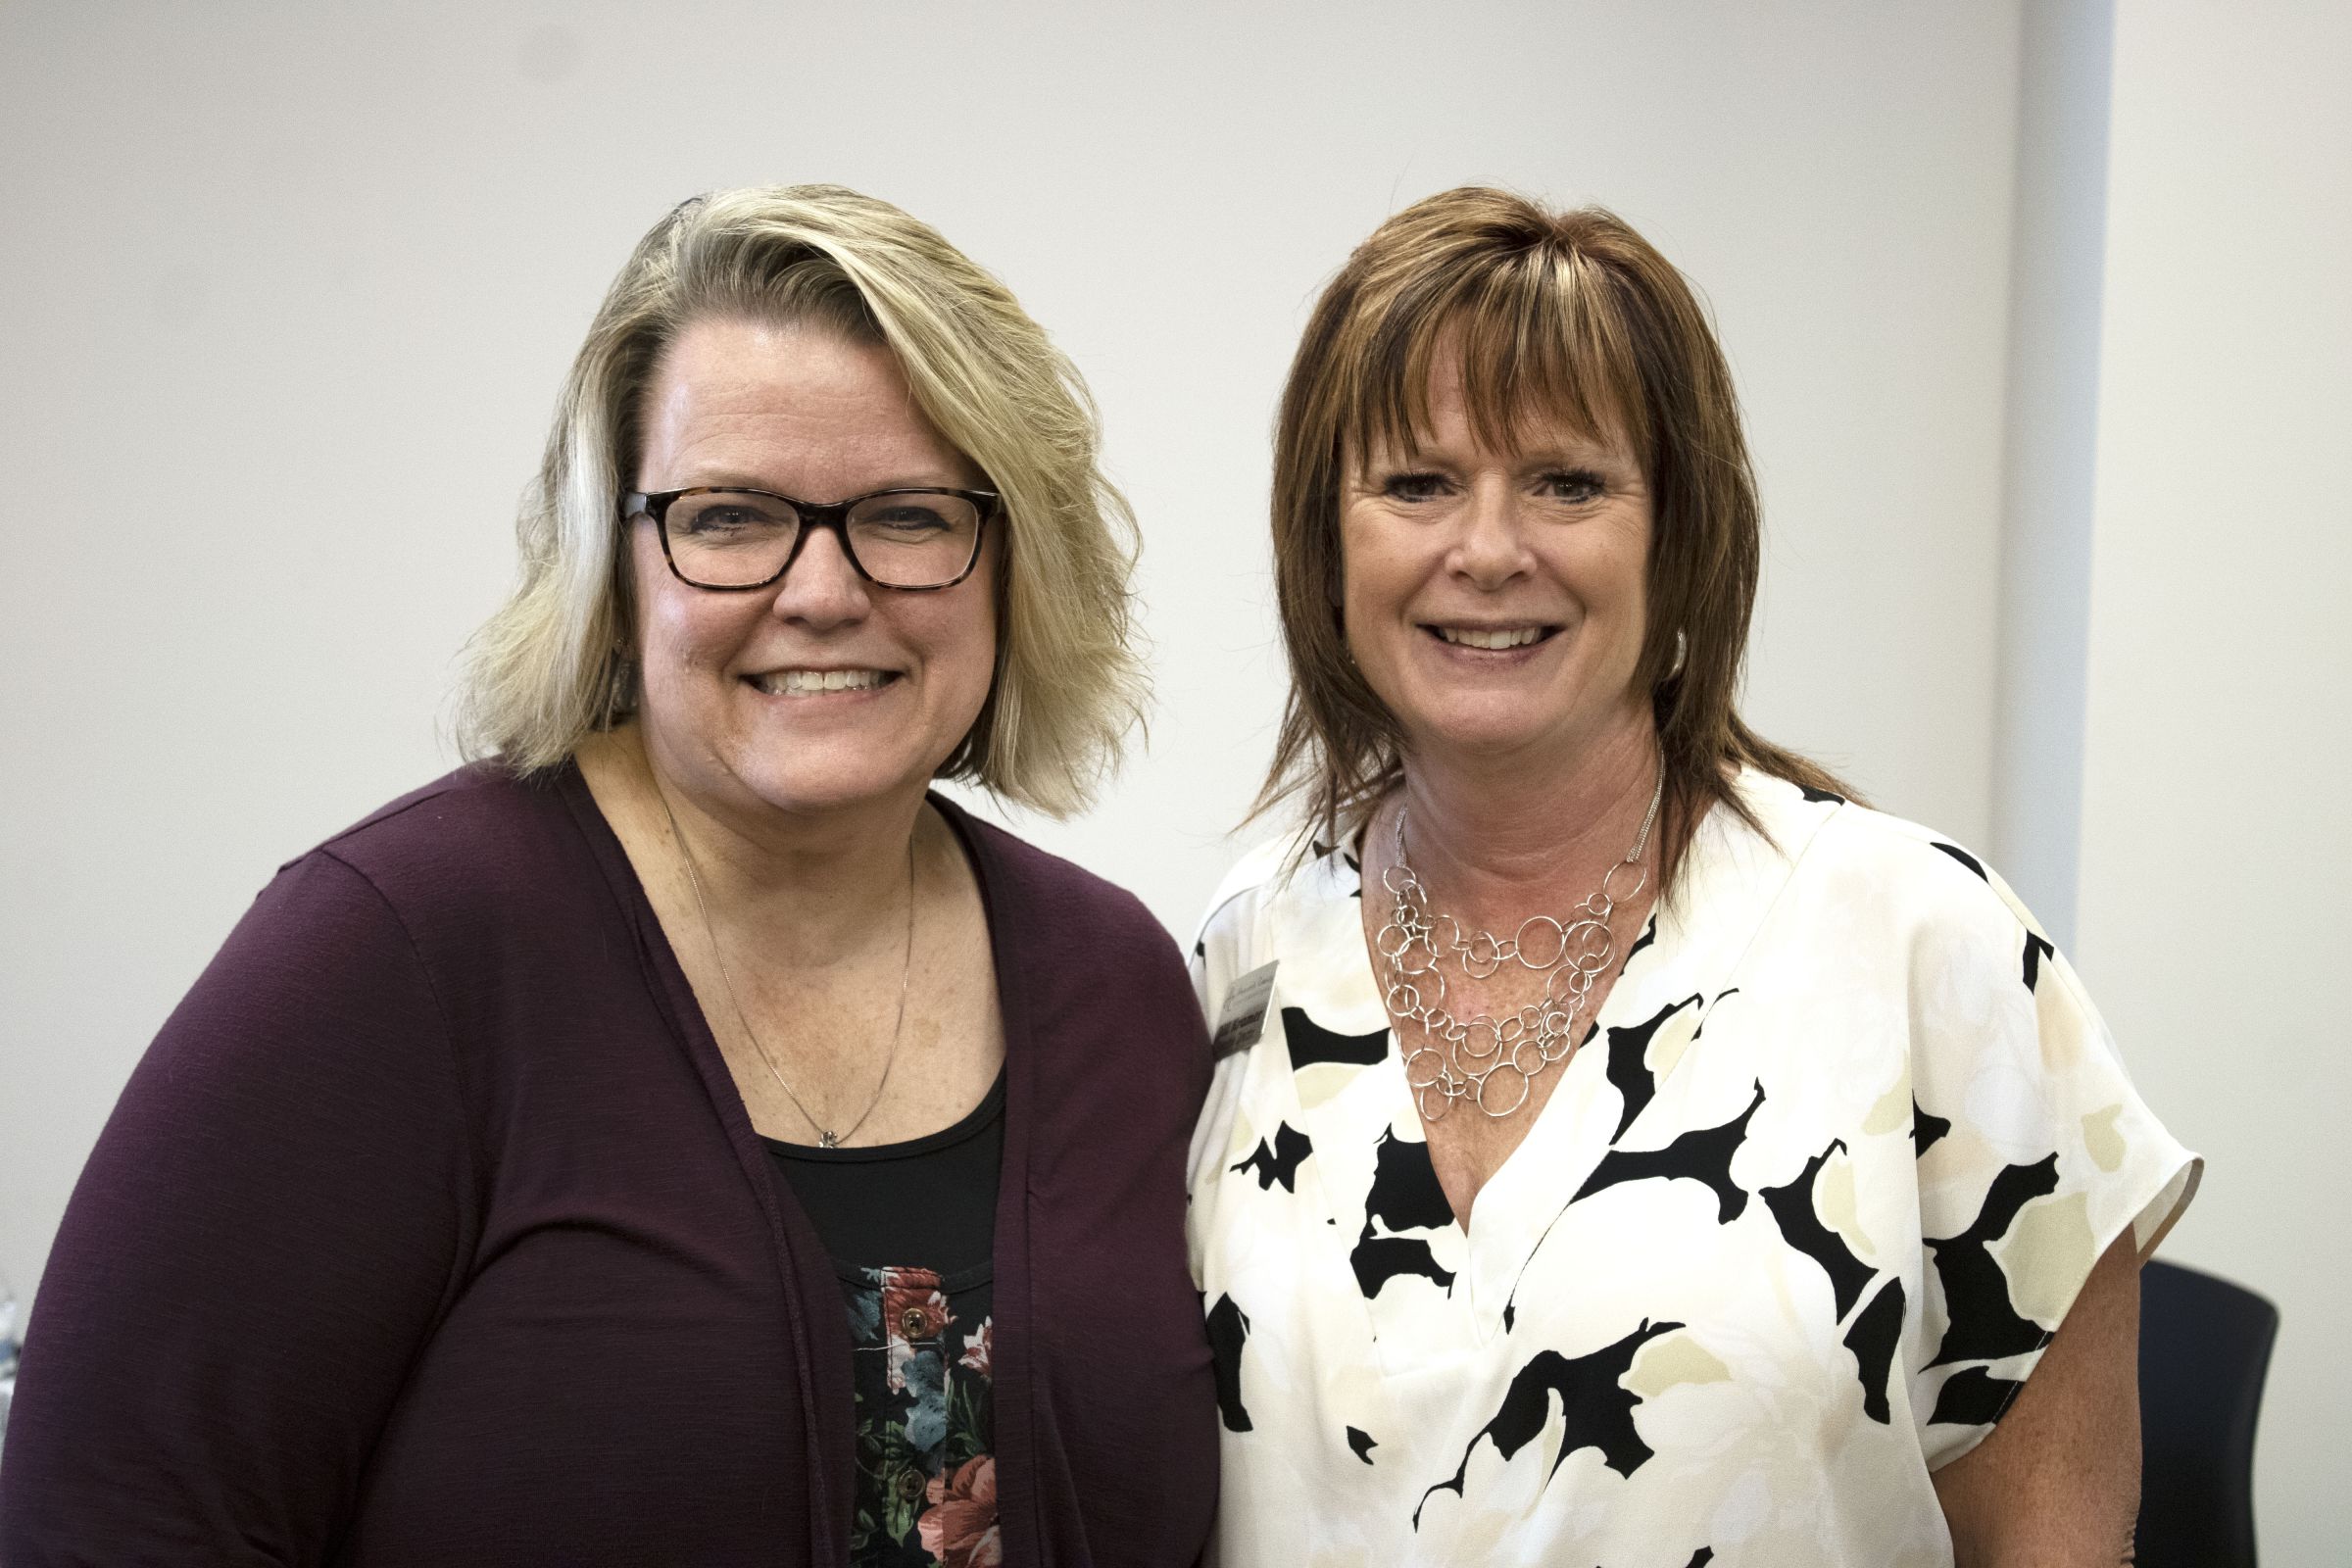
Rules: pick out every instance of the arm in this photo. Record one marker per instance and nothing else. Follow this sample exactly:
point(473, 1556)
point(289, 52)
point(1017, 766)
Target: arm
point(2057, 1482)
point(266, 1233)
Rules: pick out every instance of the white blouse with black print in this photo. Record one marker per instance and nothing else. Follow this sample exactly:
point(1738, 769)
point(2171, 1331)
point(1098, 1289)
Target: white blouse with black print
point(1792, 1231)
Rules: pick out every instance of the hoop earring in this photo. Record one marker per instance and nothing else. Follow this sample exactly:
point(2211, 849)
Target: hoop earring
point(1682, 650)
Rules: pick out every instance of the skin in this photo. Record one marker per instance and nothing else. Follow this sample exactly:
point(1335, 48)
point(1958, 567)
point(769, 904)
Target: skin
point(2057, 1483)
point(1504, 748)
point(802, 814)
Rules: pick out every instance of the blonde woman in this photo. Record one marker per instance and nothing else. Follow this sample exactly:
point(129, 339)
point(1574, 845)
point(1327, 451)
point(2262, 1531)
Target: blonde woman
point(1625, 1147)
point(682, 1136)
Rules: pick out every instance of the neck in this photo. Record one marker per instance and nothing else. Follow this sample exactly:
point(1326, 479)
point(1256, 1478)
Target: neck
point(1502, 838)
point(824, 885)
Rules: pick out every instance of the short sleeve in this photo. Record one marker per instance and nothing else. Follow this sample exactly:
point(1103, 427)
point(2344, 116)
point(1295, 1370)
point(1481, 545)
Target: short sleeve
point(2035, 1154)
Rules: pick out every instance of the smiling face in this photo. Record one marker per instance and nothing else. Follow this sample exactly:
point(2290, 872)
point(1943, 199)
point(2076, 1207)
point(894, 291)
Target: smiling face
point(1494, 600)
point(822, 692)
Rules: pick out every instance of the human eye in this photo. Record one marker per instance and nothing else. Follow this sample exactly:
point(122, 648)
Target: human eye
point(1572, 486)
point(907, 516)
point(916, 519)
point(713, 520)
point(727, 517)
point(1414, 485)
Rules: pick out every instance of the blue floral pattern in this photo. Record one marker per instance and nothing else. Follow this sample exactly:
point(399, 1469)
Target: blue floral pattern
point(921, 1349)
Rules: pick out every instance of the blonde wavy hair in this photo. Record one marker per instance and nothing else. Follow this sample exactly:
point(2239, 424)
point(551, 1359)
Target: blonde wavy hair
point(557, 662)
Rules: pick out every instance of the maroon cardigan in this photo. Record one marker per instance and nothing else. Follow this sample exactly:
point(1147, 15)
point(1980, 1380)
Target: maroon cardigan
point(432, 1229)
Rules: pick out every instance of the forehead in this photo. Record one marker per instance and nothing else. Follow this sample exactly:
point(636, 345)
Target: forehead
point(735, 400)
point(726, 361)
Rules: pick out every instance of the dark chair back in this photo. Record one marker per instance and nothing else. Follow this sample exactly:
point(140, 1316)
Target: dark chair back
point(2204, 1348)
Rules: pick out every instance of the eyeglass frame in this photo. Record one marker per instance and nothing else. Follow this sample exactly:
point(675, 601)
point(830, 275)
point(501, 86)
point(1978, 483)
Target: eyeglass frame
point(814, 515)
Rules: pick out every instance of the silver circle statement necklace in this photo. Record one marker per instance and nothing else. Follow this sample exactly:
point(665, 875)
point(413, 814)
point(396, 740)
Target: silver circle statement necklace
point(1493, 1063)
point(826, 1137)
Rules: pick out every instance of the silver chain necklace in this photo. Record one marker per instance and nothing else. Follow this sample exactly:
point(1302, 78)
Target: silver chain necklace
point(826, 1137)
point(1481, 1056)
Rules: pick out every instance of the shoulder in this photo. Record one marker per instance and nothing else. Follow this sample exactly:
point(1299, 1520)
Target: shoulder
point(1236, 912)
point(476, 809)
point(480, 826)
point(468, 863)
point(322, 974)
point(1884, 868)
point(1289, 903)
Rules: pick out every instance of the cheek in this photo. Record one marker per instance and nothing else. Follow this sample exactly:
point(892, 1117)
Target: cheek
point(953, 643)
point(681, 629)
point(1374, 581)
point(1634, 588)
point(976, 623)
point(972, 642)
point(1615, 587)
point(1610, 574)
point(1623, 586)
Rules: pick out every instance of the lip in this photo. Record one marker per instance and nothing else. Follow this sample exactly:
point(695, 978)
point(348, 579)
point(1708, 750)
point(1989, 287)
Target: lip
point(1434, 633)
point(890, 678)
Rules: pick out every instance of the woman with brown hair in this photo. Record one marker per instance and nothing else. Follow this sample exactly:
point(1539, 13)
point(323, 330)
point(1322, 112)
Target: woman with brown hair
point(1626, 1146)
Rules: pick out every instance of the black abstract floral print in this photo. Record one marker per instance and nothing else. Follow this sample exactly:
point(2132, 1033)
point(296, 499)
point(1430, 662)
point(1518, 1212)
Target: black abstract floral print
point(1792, 1231)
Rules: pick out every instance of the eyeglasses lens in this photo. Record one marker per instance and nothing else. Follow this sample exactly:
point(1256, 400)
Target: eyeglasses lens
point(733, 539)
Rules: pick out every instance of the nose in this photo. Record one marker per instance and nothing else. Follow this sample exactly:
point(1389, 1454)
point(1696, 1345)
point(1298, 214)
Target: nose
point(822, 590)
point(1490, 548)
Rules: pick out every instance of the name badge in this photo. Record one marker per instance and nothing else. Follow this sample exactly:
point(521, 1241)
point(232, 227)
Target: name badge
point(1243, 1016)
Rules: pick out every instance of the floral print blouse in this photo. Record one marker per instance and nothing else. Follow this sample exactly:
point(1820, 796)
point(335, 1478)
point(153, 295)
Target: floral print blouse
point(1791, 1232)
point(926, 1490)
point(922, 1333)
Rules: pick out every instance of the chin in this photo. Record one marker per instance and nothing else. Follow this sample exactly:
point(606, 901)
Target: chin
point(818, 791)
point(1463, 722)
point(1478, 742)
point(811, 775)
point(1499, 723)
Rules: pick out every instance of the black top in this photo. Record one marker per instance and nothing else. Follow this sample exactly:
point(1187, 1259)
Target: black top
point(929, 1203)
point(911, 1228)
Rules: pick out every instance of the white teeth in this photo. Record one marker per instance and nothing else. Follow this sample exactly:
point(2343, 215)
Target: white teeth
point(808, 682)
point(1472, 637)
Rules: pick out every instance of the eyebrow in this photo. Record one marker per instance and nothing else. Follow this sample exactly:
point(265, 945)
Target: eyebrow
point(1585, 452)
point(724, 479)
point(1576, 450)
point(737, 479)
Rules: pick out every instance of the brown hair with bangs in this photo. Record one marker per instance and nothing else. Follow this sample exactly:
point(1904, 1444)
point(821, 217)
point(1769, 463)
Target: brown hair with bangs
point(1558, 316)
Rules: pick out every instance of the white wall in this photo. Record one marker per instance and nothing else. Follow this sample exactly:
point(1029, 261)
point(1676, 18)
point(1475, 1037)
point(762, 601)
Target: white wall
point(286, 291)
point(2056, 280)
point(2216, 851)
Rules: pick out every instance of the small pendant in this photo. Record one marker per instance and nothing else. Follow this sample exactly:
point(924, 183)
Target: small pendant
point(826, 1138)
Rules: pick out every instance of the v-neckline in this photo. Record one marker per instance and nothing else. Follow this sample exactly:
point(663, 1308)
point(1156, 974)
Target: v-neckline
point(803, 1267)
point(1499, 1236)
point(1587, 1025)
point(1704, 921)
